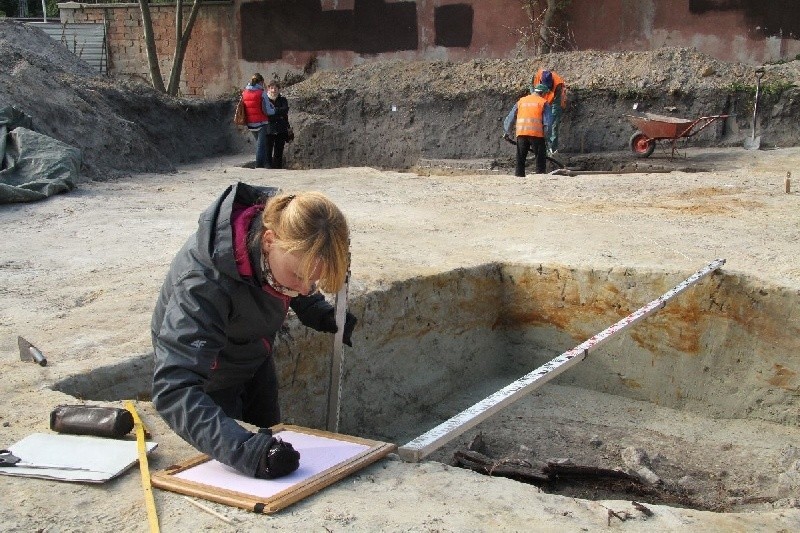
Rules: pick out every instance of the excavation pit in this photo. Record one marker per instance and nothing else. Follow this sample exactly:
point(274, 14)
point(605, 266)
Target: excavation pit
point(702, 394)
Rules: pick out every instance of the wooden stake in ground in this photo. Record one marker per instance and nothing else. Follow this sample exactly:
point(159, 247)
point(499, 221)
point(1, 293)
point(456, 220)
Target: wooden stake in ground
point(448, 430)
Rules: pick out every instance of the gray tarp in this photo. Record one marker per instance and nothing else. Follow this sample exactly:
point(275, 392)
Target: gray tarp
point(33, 166)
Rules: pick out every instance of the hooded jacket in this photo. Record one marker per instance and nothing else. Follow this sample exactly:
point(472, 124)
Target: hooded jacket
point(279, 122)
point(215, 324)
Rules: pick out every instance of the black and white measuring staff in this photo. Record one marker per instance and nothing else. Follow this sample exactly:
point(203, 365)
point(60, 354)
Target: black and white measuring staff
point(470, 417)
point(337, 359)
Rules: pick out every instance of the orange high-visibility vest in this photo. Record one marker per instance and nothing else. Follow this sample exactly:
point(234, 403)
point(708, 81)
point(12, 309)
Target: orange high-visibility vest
point(551, 94)
point(530, 115)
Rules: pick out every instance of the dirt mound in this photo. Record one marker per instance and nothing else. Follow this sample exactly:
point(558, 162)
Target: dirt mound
point(398, 113)
point(23, 43)
point(120, 127)
point(666, 70)
point(391, 114)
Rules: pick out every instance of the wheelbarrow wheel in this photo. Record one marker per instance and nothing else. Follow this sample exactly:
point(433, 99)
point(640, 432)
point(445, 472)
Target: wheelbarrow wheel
point(642, 145)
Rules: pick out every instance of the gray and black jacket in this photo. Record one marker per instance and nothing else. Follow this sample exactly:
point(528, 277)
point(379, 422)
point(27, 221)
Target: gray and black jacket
point(212, 328)
point(279, 122)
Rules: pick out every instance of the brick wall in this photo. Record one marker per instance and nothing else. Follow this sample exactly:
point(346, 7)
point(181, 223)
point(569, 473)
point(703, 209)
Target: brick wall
point(206, 69)
point(232, 39)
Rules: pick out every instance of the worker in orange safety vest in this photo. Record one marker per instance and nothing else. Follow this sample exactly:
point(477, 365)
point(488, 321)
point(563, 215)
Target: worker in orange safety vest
point(531, 118)
point(557, 98)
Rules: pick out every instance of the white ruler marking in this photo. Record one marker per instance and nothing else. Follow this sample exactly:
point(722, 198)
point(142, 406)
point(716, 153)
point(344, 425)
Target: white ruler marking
point(337, 359)
point(470, 417)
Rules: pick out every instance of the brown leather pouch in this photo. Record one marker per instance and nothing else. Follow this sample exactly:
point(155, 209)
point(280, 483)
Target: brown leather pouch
point(112, 422)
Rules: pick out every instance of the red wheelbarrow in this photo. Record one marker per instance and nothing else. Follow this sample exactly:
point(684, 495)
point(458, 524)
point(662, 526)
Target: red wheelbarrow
point(651, 128)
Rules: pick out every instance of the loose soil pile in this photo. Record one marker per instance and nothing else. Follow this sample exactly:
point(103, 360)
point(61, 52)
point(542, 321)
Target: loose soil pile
point(389, 114)
point(121, 127)
point(396, 113)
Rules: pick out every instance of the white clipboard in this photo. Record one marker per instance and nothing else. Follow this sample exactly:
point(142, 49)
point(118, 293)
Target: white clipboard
point(82, 458)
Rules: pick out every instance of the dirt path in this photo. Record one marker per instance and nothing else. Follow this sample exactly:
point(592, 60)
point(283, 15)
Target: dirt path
point(80, 274)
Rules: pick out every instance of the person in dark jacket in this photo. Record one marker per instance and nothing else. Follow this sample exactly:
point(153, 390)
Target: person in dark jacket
point(278, 128)
point(258, 109)
point(256, 253)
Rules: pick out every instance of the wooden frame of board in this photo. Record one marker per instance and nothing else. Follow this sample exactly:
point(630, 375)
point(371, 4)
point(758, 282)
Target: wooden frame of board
point(166, 479)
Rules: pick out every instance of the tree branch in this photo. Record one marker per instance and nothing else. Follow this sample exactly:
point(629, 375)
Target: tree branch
point(150, 45)
point(182, 37)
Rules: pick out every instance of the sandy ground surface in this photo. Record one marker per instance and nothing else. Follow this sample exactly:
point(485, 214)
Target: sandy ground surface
point(80, 273)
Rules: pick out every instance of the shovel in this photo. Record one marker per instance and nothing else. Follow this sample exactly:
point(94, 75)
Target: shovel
point(754, 143)
point(29, 352)
point(553, 160)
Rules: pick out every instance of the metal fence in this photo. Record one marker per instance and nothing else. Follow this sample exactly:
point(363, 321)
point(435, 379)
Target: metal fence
point(85, 40)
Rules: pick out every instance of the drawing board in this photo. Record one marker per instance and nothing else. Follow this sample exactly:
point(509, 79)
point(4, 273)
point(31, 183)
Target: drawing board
point(324, 459)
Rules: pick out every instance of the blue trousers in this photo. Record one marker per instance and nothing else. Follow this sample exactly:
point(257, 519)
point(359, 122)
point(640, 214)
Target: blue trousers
point(555, 126)
point(260, 135)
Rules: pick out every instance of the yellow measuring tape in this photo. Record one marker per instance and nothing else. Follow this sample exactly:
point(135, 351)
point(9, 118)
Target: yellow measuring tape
point(152, 516)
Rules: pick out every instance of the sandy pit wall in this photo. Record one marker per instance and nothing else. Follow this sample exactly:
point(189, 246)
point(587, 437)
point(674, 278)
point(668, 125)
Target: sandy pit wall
point(723, 349)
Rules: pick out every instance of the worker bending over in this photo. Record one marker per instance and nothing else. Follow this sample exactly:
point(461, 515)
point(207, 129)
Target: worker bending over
point(557, 98)
point(531, 115)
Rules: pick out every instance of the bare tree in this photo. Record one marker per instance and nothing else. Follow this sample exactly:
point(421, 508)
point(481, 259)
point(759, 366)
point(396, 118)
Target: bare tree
point(182, 36)
point(542, 32)
point(150, 44)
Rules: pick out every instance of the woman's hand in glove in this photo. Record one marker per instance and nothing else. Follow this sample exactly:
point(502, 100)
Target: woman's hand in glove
point(329, 324)
point(279, 459)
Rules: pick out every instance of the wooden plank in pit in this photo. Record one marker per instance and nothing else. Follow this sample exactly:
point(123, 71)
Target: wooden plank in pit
point(266, 495)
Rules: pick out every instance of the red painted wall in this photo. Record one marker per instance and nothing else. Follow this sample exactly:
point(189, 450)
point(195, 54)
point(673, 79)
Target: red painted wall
point(280, 38)
point(747, 31)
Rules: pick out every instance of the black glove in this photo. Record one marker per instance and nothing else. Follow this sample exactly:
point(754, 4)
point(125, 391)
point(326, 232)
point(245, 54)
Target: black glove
point(328, 324)
point(280, 459)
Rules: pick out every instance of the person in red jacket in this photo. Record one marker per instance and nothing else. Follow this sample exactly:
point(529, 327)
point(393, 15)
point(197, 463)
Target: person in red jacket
point(258, 110)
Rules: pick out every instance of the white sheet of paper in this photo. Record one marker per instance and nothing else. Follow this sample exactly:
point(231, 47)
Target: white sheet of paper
point(317, 454)
point(101, 458)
